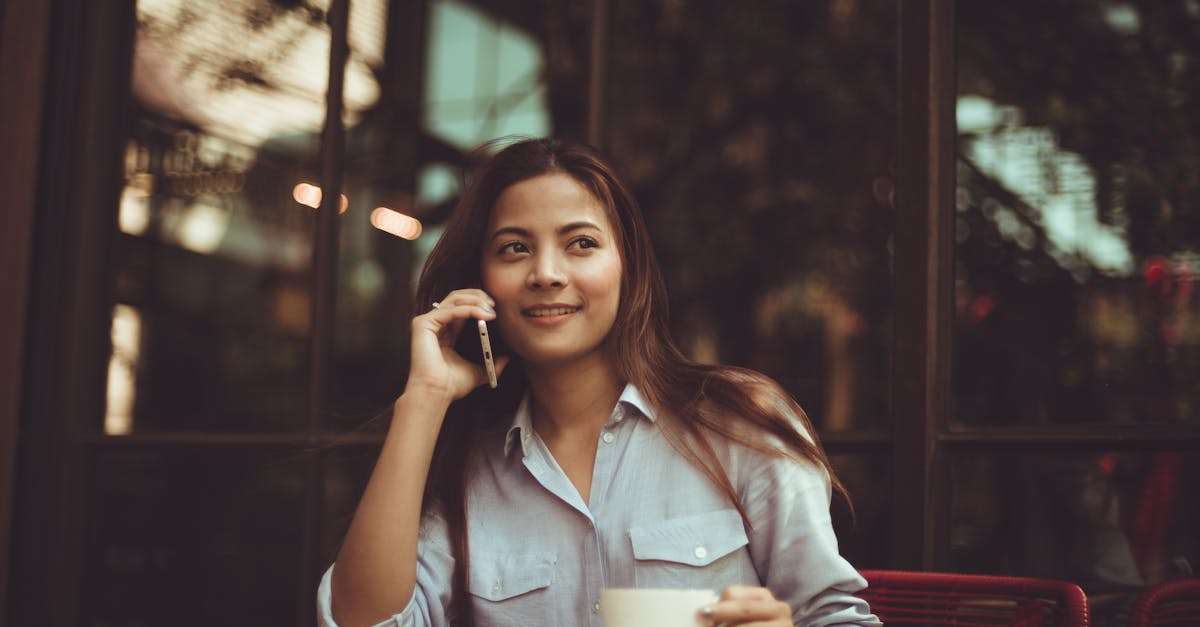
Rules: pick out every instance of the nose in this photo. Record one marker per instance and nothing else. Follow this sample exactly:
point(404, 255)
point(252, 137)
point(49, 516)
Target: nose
point(546, 272)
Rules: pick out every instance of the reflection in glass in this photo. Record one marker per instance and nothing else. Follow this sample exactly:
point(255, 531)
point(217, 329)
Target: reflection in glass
point(1076, 222)
point(122, 370)
point(1111, 521)
point(483, 78)
point(214, 252)
point(759, 140)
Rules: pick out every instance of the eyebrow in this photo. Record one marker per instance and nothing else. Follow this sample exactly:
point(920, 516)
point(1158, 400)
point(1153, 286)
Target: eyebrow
point(562, 230)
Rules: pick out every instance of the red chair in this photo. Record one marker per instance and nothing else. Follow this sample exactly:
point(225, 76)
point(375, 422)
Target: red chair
point(1175, 602)
point(920, 598)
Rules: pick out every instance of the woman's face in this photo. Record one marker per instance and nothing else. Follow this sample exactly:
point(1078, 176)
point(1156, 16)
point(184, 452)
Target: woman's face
point(551, 261)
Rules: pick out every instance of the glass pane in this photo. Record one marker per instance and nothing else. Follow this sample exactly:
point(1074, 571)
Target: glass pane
point(490, 70)
point(759, 139)
point(864, 534)
point(345, 470)
point(211, 327)
point(194, 537)
point(1111, 521)
point(1078, 213)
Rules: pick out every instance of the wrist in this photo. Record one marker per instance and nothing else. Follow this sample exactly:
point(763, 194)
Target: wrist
point(423, 397)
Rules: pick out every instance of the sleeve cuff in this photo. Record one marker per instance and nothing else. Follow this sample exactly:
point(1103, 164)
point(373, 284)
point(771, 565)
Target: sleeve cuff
point(325, 606)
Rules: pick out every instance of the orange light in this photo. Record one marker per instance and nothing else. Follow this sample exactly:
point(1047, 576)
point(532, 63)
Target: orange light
point(307, 194)
point(310, 195)
point(396, 223)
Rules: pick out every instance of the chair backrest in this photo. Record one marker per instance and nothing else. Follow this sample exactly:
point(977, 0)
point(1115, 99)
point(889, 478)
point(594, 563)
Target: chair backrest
point(923, 598)
point(1175, 602)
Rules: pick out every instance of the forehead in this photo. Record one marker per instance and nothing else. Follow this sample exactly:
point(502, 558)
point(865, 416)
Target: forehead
point(547, 201)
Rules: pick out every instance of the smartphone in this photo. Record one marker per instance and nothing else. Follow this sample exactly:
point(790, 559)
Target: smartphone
point(488, 363)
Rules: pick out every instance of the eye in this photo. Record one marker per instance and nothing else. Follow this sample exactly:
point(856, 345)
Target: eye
point(590, 243)
point(517, 247)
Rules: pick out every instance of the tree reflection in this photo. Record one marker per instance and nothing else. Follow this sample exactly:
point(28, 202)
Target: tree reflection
point(1089, 267)
point(758, 139)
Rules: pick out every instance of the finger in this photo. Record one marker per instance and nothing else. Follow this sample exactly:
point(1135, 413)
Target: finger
point(746, 592)
point(745, 610)
point(441, 320)
point(450, 336)
point(468, 297)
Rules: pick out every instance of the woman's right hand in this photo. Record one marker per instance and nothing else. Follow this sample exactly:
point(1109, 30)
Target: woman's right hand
point(435, 367)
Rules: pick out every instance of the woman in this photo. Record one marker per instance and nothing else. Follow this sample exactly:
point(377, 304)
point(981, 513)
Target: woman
point(605, 458)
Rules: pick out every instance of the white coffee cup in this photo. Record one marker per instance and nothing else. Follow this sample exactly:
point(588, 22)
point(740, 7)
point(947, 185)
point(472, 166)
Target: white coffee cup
point(650, 607)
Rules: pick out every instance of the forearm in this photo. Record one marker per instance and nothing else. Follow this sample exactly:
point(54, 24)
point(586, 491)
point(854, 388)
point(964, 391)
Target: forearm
point(376, 566)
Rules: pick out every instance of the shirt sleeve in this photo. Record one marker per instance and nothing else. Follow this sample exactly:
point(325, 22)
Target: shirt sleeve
point(793, 545)
point(430, 602)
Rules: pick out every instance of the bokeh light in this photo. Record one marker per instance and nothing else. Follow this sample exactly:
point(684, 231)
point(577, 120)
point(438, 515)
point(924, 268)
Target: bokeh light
point(396, 223)
point(310, 195)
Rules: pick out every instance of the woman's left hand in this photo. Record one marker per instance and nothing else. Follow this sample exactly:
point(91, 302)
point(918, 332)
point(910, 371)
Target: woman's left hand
point(746, 605)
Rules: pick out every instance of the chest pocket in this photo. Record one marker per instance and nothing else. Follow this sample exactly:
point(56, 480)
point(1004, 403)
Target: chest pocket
point(511, 588)
point(700, 551)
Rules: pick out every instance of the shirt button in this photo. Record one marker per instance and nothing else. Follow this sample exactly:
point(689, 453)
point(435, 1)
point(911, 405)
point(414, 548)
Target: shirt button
point(618, 418)
point(700, 552)
point(608, 437)
point(596, 607)
point(496, 587)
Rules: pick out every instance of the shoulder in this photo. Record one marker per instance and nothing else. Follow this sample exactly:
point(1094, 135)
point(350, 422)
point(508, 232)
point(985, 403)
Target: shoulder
point(758, 431)
point(767, 414)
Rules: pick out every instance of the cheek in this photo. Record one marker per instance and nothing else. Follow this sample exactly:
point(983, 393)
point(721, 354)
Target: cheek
point(498, 283)
point(602, 282)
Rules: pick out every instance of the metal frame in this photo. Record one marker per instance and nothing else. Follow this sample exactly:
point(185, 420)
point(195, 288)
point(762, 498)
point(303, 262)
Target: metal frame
point(924, 248)
point(84, 130)
point(23, 44)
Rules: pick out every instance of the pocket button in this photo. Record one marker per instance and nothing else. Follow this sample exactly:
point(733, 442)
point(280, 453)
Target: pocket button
point(700, 552)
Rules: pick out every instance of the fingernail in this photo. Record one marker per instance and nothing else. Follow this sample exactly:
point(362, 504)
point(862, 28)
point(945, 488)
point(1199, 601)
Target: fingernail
point(706, 611)
point(489, 309)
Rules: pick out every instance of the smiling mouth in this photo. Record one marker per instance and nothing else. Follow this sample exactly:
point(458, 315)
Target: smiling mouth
point(550, 312)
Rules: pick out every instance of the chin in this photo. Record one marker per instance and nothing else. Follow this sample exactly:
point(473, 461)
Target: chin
point(550, 357)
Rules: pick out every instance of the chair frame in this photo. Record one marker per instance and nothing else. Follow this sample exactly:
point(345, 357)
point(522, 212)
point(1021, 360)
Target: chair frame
point(1072, 603)
point(1154, 597)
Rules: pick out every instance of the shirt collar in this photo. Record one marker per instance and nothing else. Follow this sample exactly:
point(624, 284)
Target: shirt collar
point(630, 403)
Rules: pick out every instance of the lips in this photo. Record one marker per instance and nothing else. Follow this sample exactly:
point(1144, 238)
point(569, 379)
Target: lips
point(545, 312)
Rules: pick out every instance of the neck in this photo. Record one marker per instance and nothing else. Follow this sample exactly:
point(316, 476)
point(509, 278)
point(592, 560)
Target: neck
point(575, 399)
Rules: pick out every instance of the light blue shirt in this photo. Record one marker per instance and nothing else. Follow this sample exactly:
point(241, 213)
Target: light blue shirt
point(540, 555)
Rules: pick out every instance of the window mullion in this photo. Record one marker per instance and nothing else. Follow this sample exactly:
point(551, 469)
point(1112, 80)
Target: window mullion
point(923, 277)
point(324, 296)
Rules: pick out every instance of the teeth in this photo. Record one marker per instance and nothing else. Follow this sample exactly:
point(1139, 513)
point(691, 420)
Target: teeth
point(558, 311)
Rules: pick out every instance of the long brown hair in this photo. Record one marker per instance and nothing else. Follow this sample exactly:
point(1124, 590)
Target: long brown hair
point(694, 401)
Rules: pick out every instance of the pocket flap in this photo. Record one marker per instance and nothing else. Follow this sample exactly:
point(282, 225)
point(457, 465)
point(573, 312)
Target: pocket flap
point(697, 540)
point(500, 576)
